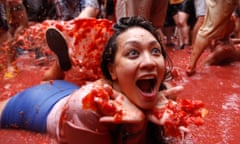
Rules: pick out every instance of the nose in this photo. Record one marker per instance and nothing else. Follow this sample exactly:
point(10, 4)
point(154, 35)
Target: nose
point(148, 61)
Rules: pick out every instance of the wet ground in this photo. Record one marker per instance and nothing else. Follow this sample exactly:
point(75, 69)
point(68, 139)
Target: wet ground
point(217, 86)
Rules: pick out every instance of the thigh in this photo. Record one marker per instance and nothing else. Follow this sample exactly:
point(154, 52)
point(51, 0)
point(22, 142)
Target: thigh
point(133, 8)
point(158, 12)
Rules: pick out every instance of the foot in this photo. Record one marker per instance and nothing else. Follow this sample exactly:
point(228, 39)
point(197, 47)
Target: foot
point(190, 71)
point(58, 45)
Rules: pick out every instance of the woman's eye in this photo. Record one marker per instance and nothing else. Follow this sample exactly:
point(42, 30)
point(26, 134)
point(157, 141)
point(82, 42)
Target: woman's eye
point(132, 53)
point(156, 51)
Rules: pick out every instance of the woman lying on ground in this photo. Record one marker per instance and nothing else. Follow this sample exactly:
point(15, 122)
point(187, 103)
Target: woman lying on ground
point(122, 108)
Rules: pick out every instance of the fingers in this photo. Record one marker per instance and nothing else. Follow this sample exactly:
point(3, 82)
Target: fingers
point(116, 94)
point(172, 90)
point(120, 118)
point(107, 119)
point(105, 107)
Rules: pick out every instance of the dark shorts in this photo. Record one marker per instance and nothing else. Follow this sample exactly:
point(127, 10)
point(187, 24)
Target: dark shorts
point(188, 7)
point(29, 109)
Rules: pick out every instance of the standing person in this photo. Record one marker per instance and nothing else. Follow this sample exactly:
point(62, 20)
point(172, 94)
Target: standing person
point(112, 110)
point(214, 27)
point(181, 12)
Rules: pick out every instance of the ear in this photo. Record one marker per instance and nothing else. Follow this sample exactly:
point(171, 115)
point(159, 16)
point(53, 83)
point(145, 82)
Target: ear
point(112, 71)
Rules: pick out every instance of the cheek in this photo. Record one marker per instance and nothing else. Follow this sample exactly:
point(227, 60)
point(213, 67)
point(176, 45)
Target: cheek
point(161, 68)
point(125, 70)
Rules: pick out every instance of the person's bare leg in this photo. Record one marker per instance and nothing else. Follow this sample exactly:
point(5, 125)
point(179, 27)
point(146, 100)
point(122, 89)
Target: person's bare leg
point(198, 47)
point(54, 73)
point(139, 8)
point(184, 28)
point(177, 30)
point(168, 32)
point(196, 27)
point(133, 8)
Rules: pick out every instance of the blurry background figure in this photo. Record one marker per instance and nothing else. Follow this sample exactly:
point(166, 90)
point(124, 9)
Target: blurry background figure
point(215, 28)
point(4, 34)
point(170, 29)
point(179, 23)
point(20, 15)
point(69, 9)
point(152, 10)
point(107, 9)
point(40, 10)
point(16, 15)
point(183, 14)
point(13, 20)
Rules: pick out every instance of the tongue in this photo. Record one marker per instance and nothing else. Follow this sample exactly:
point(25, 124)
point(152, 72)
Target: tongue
point(144, 85)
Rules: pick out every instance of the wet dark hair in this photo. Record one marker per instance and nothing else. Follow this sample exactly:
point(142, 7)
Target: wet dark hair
point(121, 26)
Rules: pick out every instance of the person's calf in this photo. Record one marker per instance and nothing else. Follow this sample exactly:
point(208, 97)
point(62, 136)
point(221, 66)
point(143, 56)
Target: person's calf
point(54, 73)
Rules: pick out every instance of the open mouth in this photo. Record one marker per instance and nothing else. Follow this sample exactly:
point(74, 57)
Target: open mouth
point(146, 85)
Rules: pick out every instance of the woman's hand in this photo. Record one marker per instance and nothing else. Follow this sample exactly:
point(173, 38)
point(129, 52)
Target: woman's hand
point(131, 118)
point(123, 111)
point(177, 115)
point(112, 105)
point(161, 105)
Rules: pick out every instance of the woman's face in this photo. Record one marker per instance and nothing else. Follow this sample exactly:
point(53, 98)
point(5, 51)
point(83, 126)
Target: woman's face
point(139, 67)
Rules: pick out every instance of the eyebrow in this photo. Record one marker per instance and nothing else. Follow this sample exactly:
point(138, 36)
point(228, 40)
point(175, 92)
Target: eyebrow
point(153, 42)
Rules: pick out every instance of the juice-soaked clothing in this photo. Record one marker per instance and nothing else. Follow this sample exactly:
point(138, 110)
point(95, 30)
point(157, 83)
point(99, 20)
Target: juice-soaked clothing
point(217, 18)
point(29, 109)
